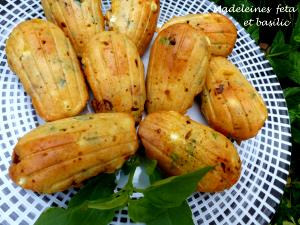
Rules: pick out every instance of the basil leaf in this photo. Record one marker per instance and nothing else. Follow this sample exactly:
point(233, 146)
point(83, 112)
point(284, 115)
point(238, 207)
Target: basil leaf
point(281, 66)
point(285, 62)
point(156, 176)
point(295, 38)
point(171, 192)
point(78, 212)
point(151, 169)
point(293, 102)
point(142, 210)
point(175, 216)
point(296, 134)
point(115, 202)
point(131, 164)
point(284, 58)
point(279, 47)
point(53, 216)
point(292, 92)
point(294, 114)
point(149, 165)
point(75, 216)
point(254, 32)
point(294, 57)
point(100, 187)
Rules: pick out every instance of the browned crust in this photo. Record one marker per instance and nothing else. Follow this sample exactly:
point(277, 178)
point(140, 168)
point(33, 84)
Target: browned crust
point(64, 153)
point(46, 63)
point(181, 145)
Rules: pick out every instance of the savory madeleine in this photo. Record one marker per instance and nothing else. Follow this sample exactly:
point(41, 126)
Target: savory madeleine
point(79, 19)
point(230, 104)
point(64, 153)
point(220, 30)
point(181, 145)
point(46, 63)
point(177, 68)
point(135, 18)
point(115, 73)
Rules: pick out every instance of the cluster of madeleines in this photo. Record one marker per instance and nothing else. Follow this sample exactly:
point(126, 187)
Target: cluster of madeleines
point(188, 58)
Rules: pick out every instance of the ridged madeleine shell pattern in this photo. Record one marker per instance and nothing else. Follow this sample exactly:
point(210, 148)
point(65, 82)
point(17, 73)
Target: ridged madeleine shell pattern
point(230, 103)
point(61, 154)
point(115, 73)
point(181, 145)
point(46, 63)
point(135, 18)
point(220, 30)
point(79, 19)
point(177, 68)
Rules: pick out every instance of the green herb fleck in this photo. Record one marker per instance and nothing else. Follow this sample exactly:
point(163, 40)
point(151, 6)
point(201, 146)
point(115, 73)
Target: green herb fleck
point(52, 128)
point(214, 134)
point(91, 138)
point(200, 81)
point(190, 149)
point(129, 22)
point(153, 7)
point(63, 129)
point(175, 157)
point(78, 2)
point(164, 41)
point(84, 117)
point(191, 146)
point(62, 83)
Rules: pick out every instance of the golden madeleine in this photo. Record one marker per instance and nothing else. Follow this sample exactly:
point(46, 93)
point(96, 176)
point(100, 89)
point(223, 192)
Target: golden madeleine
point(220, 30)
point(64, 153)
point(46, 63)
point(177, 68)
point(115, 73)
point(230, 104)
point(135, 18)
point(181, 145)
point(79, 19)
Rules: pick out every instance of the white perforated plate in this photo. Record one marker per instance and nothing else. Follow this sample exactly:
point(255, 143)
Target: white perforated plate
point(265, 158)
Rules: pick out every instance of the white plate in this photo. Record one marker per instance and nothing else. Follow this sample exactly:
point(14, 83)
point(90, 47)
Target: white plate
point(265, 158)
